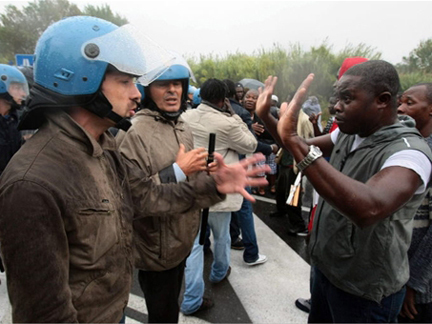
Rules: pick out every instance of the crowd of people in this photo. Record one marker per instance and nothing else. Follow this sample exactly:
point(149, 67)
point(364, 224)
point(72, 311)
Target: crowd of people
point(115, 173)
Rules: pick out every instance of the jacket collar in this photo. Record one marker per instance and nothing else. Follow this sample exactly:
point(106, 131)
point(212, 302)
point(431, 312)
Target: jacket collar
point(207, 108)
point(74, 134)
point(158, 116)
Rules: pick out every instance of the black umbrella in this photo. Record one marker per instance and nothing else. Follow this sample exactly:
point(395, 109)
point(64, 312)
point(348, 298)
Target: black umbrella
point(251, 83)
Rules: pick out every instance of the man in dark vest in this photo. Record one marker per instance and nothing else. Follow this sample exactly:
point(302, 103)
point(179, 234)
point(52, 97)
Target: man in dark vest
point(370, 190)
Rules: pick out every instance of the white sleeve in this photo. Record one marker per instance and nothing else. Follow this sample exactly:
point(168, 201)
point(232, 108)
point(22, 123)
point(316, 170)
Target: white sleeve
point(334, 135)
point(414, 160)
point(179, 174)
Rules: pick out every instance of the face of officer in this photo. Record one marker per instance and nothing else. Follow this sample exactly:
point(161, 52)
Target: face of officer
point(120, 90)
point(18, 92)
point(167, 94)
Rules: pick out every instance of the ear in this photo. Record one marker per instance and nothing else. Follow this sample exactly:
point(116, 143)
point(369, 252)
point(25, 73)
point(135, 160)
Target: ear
point(384, 99)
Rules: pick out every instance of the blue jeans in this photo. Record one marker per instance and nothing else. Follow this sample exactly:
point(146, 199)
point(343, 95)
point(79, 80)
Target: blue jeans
point(194, 281)
point(330, 304)
point(246, 222)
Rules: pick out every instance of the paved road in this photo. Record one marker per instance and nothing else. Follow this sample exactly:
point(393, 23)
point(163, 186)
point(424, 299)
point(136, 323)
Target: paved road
point(260, 294)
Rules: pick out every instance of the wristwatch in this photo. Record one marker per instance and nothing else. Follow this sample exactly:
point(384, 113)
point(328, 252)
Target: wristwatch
point(314, 153)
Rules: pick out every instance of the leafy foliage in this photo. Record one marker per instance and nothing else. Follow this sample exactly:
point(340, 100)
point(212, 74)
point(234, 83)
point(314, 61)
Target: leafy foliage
point(417, 67)
point(419, 59)
point(20, 29)
point(407, 80)
point(291, 66)
point(104, 12)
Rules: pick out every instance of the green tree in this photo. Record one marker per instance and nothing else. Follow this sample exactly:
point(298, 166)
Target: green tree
point(290, 65)
point(20, 29)
point(104, 12)
point(407, 80)
point(419, 59)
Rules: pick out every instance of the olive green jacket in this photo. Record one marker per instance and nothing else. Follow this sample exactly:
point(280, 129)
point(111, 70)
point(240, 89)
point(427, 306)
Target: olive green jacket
point(152, 143)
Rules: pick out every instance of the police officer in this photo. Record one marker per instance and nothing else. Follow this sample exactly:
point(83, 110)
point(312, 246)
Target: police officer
point(162, 244)
point(13, 90)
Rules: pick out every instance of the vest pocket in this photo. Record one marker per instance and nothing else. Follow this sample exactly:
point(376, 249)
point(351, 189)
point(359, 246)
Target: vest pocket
point(341, 239)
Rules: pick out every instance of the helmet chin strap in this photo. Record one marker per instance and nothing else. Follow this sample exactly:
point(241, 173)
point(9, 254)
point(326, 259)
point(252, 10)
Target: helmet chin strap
point(121, 122)
point(173, 116)
point(14, 105)
point(103, 108)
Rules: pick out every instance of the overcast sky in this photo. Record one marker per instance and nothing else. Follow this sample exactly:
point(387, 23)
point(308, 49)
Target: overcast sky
point(393, 28)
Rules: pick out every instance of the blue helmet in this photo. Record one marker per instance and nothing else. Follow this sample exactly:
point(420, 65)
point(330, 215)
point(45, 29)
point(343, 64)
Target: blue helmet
point(64, 64)
point(197, 97)
point(141, 90)
point(178, 70)
point(72, 57)
point(175, 72)
point(13, 84)
point(191, 89)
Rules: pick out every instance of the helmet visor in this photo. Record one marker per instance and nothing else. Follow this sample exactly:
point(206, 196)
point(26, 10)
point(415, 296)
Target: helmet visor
point(179, 60)
point(129, 51)
point(18, 91)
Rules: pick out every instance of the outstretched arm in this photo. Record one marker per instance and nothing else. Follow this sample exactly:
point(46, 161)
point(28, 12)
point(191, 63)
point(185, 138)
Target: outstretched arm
point(151, 199)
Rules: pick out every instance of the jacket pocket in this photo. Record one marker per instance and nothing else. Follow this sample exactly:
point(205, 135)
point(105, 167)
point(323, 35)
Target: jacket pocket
point(94, 211)
point(93, 232)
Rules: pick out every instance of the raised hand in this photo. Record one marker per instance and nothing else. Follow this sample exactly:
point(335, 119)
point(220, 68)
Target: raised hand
point(234, 178)
point(192, 161)
point(264, 101)
point(313, 118)
point(287, 126)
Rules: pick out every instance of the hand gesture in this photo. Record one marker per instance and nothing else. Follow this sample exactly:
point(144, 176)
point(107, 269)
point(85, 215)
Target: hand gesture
point(192, 161)
point(228, 108)
point(313, 118)
point(258, 128)
point(234, 178)
point(287, 126)
point(264, 101)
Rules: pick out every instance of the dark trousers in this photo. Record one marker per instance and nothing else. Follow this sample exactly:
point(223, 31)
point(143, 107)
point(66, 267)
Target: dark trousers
point(285, 179)
point(245, 221)
point(161, 292)
point(234, 228)
point(330, 304)
point(283, 184)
